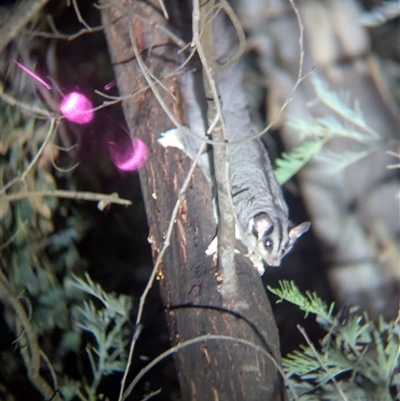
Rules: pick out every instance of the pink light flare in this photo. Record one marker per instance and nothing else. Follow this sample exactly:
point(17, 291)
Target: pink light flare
point(132, 158)
point(110, 85)
point(32, 74)
point(77, 108)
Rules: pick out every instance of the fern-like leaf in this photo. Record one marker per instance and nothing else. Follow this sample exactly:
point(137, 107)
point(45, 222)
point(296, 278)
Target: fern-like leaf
point(333, 162)
point(346, 122)
point(356, 360)
point(108, 327)
point(302, 362)
point(387, 340)
point(120, 304)
point(292, 162)
point(309, 303)
point(332, 100)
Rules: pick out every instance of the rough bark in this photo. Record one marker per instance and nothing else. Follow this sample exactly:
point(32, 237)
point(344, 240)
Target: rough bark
point(188, 280)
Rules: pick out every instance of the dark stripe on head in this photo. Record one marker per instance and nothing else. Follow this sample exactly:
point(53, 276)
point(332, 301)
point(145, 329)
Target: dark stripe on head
point(263, 225)
point(266, 233)
point(279, 228)
point(270, 230)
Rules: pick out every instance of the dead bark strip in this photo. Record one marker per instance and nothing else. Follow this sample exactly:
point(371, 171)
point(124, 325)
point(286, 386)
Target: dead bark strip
point(188, 280)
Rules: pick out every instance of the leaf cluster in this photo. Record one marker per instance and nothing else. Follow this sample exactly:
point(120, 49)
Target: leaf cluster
point(356, 360)
point(36, 250)
point(39, 236)
point(344, 122)
point(109, 329)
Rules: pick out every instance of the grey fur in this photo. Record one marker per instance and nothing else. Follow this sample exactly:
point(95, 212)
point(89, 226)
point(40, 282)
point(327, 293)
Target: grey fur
point(261, 211)
point(256, 194)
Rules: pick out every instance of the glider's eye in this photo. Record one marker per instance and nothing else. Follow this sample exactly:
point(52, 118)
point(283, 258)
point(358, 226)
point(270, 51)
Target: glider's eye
point(268, 244)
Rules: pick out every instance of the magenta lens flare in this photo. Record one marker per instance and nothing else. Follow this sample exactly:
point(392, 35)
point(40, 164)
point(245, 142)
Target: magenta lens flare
point(32, 74)
point(131, 158)
point(77, 108)
point(109, 85)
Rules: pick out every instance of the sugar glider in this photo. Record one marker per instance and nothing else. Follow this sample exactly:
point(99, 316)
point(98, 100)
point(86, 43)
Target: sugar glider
point(262, 215)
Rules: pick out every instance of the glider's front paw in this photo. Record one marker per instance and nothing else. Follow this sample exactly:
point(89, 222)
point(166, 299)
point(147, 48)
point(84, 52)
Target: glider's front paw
point(171, 138)
point(212, 249)
point(257, 261)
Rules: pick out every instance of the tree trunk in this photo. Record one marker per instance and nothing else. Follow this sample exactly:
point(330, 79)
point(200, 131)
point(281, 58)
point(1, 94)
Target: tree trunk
point(189, 281)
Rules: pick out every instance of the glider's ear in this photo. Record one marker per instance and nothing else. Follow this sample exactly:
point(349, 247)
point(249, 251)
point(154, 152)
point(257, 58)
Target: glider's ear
point(297, 231)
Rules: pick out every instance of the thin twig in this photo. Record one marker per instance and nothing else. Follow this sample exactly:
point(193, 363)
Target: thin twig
point(226, 221)
point(117, 99)
point(396, 165)
point(79, 16)
point(60, 193)
point(239, 32)
point(164, 10)
point(24, 106)
point(50, 368)
point(64, 170)
point(40, 151)
point(9, 184)
point(151, 395)
point(63, 36)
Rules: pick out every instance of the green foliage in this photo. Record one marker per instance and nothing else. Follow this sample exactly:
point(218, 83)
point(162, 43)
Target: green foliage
point(290, 163)
point(109, 328)
point(308, 302)
point(33, 251)
point(356, 360)
point(345, 122)
point(338, 104)
point(115, 306)
point(44, 304)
